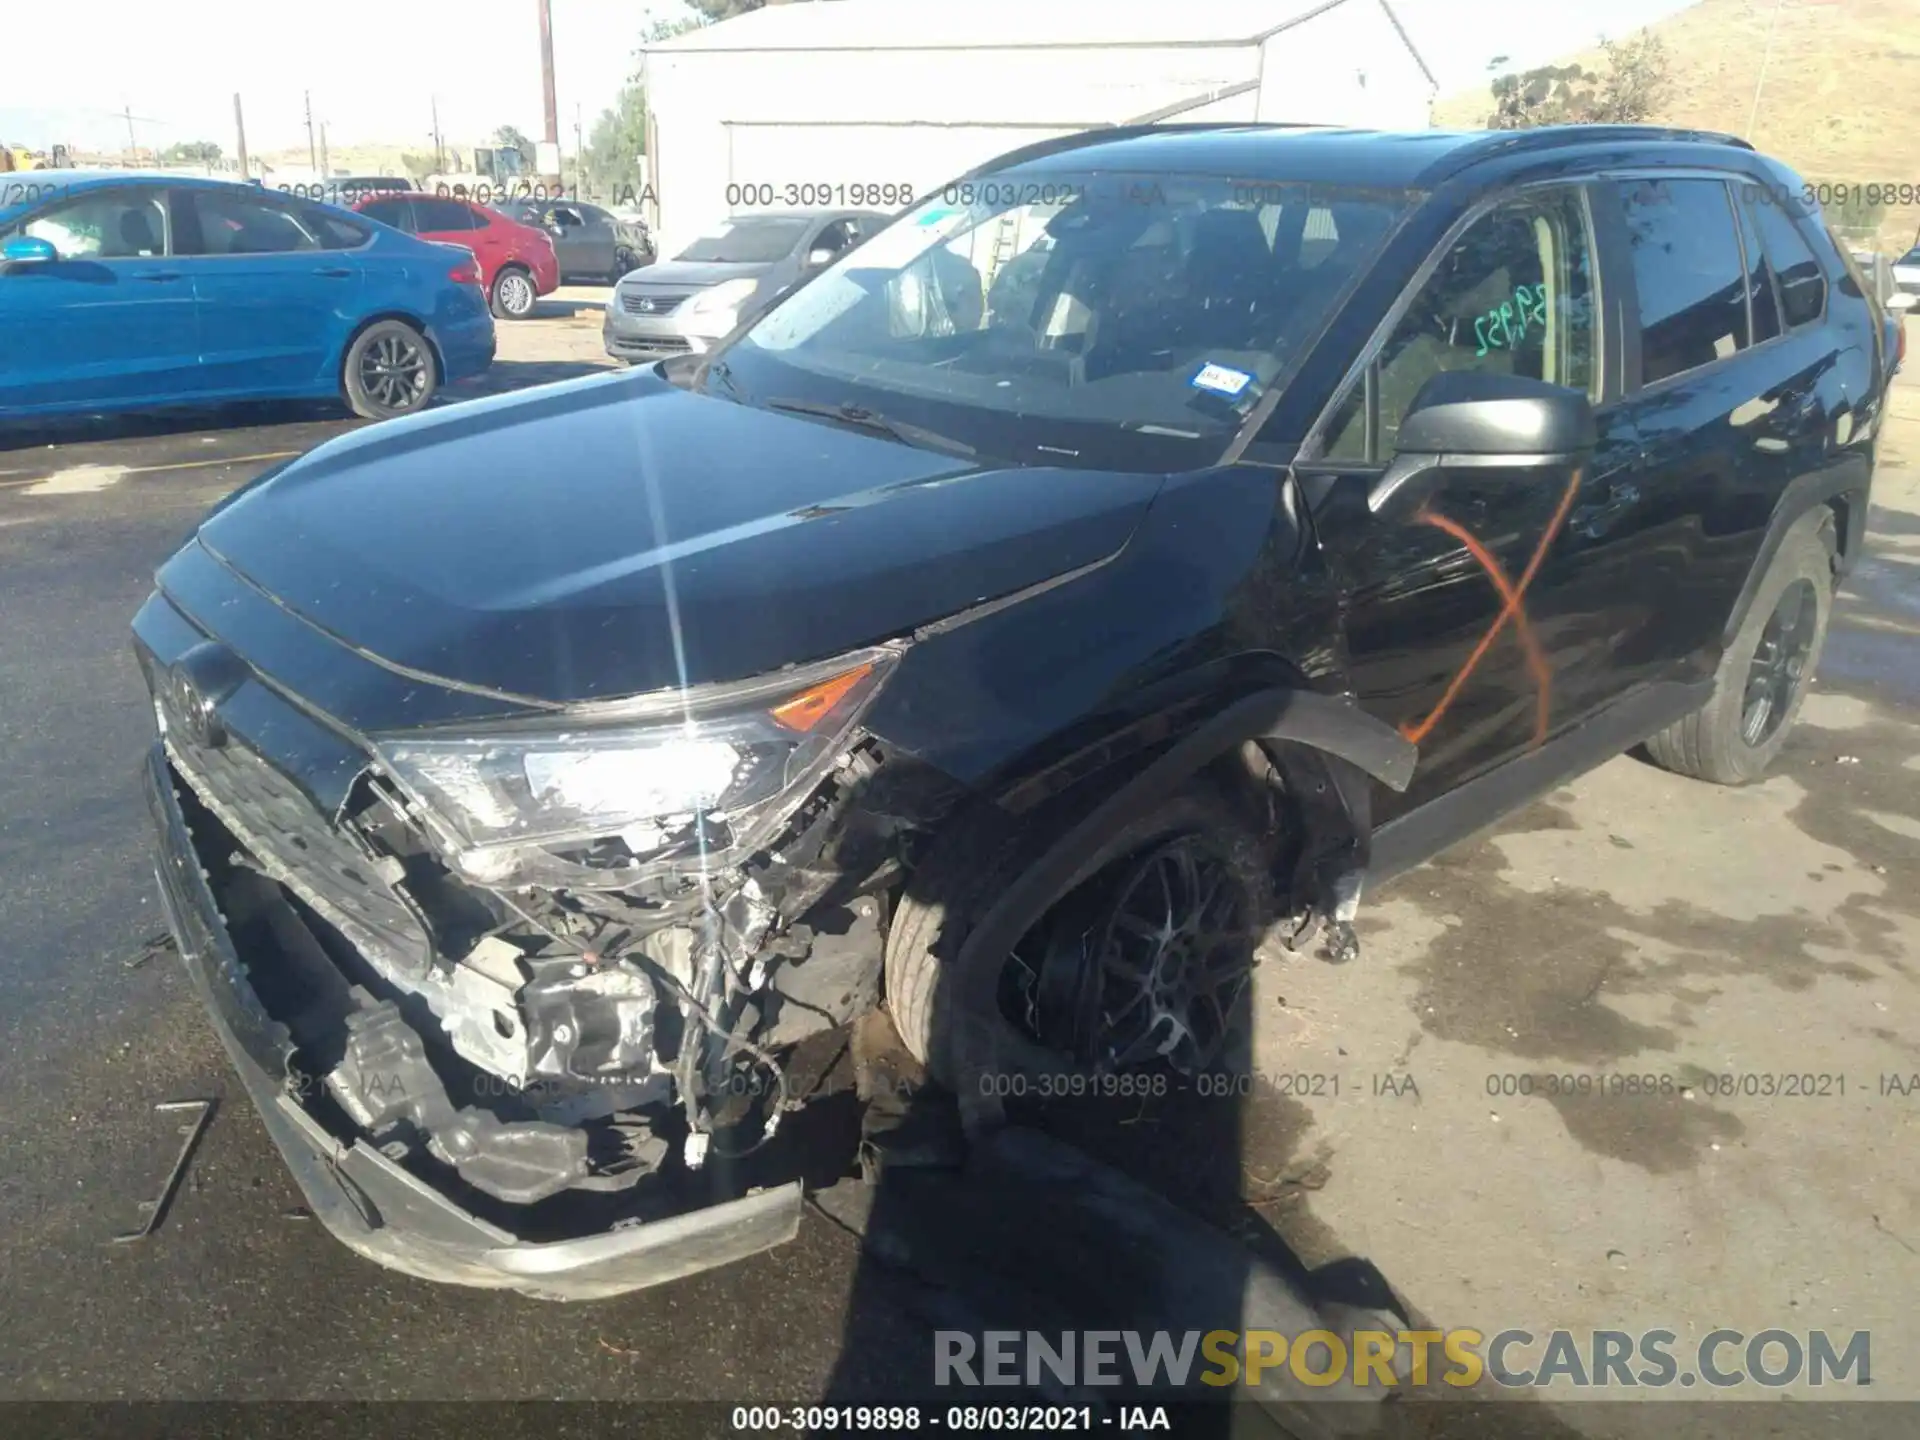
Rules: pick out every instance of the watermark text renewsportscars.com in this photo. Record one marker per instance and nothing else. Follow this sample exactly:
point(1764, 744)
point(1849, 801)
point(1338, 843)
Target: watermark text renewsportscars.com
point(1514, 1359)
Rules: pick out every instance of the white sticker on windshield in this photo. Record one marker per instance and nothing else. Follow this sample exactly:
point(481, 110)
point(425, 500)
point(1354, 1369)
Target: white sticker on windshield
point(1221, 379)
point(898, 246)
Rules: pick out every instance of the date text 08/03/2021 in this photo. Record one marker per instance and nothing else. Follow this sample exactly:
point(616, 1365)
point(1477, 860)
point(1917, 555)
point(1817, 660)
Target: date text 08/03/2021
point(954, 1419)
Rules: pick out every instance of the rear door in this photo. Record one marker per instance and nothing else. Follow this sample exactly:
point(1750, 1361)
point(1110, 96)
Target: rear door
point(603, 232)
point(112, 320)
point(453, 222)
point(276, 285)
point(1733, 390)
point(583, 249)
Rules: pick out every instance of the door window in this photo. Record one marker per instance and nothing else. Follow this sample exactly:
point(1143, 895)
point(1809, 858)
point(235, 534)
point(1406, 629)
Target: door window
point(331, 230)
point(104, 225)
point(232, 223)
point(439, 217)
point(398, 213)
point(1687, 268)
point(1797, 273)
point(1514, 295)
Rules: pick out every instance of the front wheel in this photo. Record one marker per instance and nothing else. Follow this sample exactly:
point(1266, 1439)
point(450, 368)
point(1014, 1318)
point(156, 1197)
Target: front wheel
point(388, 371)
point(624, 260)
point(1765, 672)
point(1146, 962)
point(513, 294)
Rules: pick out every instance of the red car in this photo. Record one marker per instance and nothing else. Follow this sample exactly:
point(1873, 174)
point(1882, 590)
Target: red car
point(517, 263)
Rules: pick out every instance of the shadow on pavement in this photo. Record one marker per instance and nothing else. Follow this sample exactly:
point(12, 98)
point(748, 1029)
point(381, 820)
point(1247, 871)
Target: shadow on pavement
point(18, 435)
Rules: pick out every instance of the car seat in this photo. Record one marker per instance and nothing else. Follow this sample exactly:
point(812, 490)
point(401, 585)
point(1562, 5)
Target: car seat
point(134, 236)
point(1437, 333)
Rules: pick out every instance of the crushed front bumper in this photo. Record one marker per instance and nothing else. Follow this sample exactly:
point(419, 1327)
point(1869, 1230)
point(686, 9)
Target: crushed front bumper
point(380, 1209)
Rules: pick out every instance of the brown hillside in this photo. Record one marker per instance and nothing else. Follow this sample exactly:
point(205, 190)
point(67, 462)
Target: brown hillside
point(1840, 101)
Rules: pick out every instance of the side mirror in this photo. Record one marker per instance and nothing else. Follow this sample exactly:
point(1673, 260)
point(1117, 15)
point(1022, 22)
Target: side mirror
point(1472, 417)
point(818, 256)
point(28, 250)
point(1905, 300)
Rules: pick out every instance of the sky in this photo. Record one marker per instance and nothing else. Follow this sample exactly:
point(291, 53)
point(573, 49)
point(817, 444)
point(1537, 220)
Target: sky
point(374, 68)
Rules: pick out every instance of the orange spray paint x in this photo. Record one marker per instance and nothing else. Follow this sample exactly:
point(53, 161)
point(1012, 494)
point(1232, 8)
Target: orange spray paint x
point(1512, 608)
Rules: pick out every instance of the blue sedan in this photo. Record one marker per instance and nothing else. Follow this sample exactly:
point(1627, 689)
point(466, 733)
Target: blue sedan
point(129, 291)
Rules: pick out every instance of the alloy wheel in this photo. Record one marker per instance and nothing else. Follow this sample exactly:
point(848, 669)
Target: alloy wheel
point(1156, 966)
point(1779, 663)
point(393, 371)
point(516, 294)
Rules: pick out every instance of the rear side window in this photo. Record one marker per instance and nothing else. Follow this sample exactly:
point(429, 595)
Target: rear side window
point(333, 231)
point(434, 216)
point(235, 223)
point(1687, 267)
point(1796, 271)
point(397, 213)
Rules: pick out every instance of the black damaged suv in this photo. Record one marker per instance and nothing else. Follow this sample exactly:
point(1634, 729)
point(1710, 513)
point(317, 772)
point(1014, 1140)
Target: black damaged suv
point(1152, 537)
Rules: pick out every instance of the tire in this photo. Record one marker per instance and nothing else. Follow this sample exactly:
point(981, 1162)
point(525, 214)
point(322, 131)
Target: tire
point(513, 296)
point(972, 863)
point(1721, 741)
point(389, 371)
point(624, 260)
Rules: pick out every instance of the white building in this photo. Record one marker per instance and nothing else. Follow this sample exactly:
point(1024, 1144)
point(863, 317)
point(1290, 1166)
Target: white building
point(818, 103)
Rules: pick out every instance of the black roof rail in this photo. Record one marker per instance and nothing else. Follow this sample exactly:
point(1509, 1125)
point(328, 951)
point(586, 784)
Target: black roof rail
point(1103, 134)
point(1494, 144)
point(1547, 137)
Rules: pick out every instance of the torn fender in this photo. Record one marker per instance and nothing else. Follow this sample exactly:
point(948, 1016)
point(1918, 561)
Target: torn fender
point(1304, 717)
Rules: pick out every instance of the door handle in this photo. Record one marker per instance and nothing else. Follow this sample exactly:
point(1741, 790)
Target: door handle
point(158, 277)
point(334, 272)
point(1593, 521)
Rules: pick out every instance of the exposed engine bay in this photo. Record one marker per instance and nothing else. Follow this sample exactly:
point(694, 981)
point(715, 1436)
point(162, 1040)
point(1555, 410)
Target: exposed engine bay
point(543, 1038)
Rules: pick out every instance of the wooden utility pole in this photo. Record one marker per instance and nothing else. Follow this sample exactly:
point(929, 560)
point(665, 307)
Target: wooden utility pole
point(439, 156)
point(240, 133)
point(552, 113)
point(313, 160)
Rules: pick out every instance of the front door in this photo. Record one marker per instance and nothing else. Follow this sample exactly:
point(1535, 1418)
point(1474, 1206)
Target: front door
point(111, 320)
point(1444, 632)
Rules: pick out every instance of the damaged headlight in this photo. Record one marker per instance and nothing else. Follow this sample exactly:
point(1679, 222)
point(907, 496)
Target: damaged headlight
point(707, 771)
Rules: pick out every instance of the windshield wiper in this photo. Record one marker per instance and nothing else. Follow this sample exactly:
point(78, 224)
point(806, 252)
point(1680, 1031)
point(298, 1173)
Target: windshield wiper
point(864, 419)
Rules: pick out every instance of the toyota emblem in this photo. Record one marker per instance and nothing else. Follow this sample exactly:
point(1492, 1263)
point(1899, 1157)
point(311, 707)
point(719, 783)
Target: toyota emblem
point(193, 688)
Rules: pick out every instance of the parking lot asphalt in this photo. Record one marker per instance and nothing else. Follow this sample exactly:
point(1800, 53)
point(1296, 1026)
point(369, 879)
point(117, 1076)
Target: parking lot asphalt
point(1631, 924)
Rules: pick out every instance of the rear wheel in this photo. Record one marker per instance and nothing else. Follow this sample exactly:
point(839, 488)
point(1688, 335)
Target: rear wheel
point(1763, 676)
point(388, 372)
point(513, 296)
point(1147, 961)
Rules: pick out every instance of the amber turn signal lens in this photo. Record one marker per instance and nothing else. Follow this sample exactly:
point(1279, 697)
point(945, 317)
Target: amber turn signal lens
point(810, 707)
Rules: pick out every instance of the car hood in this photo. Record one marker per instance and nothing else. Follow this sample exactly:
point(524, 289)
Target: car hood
point(616, 535)
point(684, 273)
